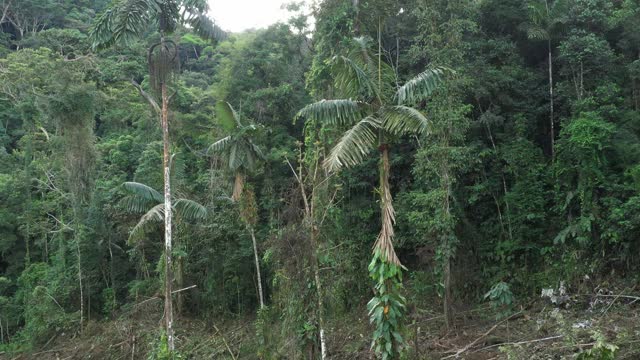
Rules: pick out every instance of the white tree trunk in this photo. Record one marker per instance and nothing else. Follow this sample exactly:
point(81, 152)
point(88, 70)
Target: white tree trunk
point(257, 258)
point(168, 273)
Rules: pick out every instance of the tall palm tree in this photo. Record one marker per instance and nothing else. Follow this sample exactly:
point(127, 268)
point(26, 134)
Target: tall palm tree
point(545, 17)
point(376, 113)
point(241, 156)
point(124, 20)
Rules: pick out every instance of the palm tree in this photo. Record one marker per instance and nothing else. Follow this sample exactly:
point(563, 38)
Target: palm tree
point(147, 201)
point(127, 19)
point(374, 120)
point(376, 113)
point(143, 199)
point(242, 156)
point(544, 20)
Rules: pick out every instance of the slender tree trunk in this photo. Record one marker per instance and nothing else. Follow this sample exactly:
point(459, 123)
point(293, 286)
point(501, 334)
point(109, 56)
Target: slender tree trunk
point(384, 243)
point(257, 258)
point(168, 273)
point(80, 282)
point(313, 228)
point(447, 248)
point(551, 121)
point(179, 279)
point(238, 187)
point(448, 316)
point(316, 275)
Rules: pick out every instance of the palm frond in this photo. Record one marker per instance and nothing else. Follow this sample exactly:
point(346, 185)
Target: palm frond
point(149, 219)
point(220, 145)
point(537, 33)
point(355, 144)
point(257, 151)
point(144, 191)
point(199, 6)
point(236, 158)
point(136, 204)
point(537, 12)
point(421, 86)
point(360, 53)
point(226, 116)
point(206, 28)
point(558, 12)
point(381, 73)
point(101, 33)
point(122, 21)
point(352, 80)
point(189, 209)
point(333, 112)
point(404, 120)
point(132, 18)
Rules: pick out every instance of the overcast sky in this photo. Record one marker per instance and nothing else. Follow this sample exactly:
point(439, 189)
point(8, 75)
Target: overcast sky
point(239, 15)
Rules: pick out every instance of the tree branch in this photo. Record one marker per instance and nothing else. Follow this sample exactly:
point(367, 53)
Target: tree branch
point(147, 97)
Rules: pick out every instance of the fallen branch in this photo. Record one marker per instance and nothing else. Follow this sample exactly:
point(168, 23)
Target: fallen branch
point(47, 351)
point(158, 297)
point(183, 289)
point(614, 300)
point(466, 348)
point(521, 342)
point(636, 298)
point(225, 343)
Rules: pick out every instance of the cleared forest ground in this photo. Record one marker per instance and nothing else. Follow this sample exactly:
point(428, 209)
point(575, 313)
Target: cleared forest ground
point(586, 326)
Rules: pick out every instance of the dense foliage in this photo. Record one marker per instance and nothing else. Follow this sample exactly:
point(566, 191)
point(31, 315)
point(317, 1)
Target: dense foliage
point(509, 141)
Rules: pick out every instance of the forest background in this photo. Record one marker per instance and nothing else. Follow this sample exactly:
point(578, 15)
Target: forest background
point(525, 174)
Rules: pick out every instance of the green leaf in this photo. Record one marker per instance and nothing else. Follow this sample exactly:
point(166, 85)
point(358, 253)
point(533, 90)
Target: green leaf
point(227, 116)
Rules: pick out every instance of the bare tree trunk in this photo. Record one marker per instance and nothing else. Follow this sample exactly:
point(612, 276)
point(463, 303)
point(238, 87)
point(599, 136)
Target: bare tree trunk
point(179, 279)
point(316, 275)
point(80, 282)
point(551, 121)
point(313, 228)
point(168, 273)
point(5, 11)
point(447, 248)
point(238, 186)
point(255, 254)
point(448, 316)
